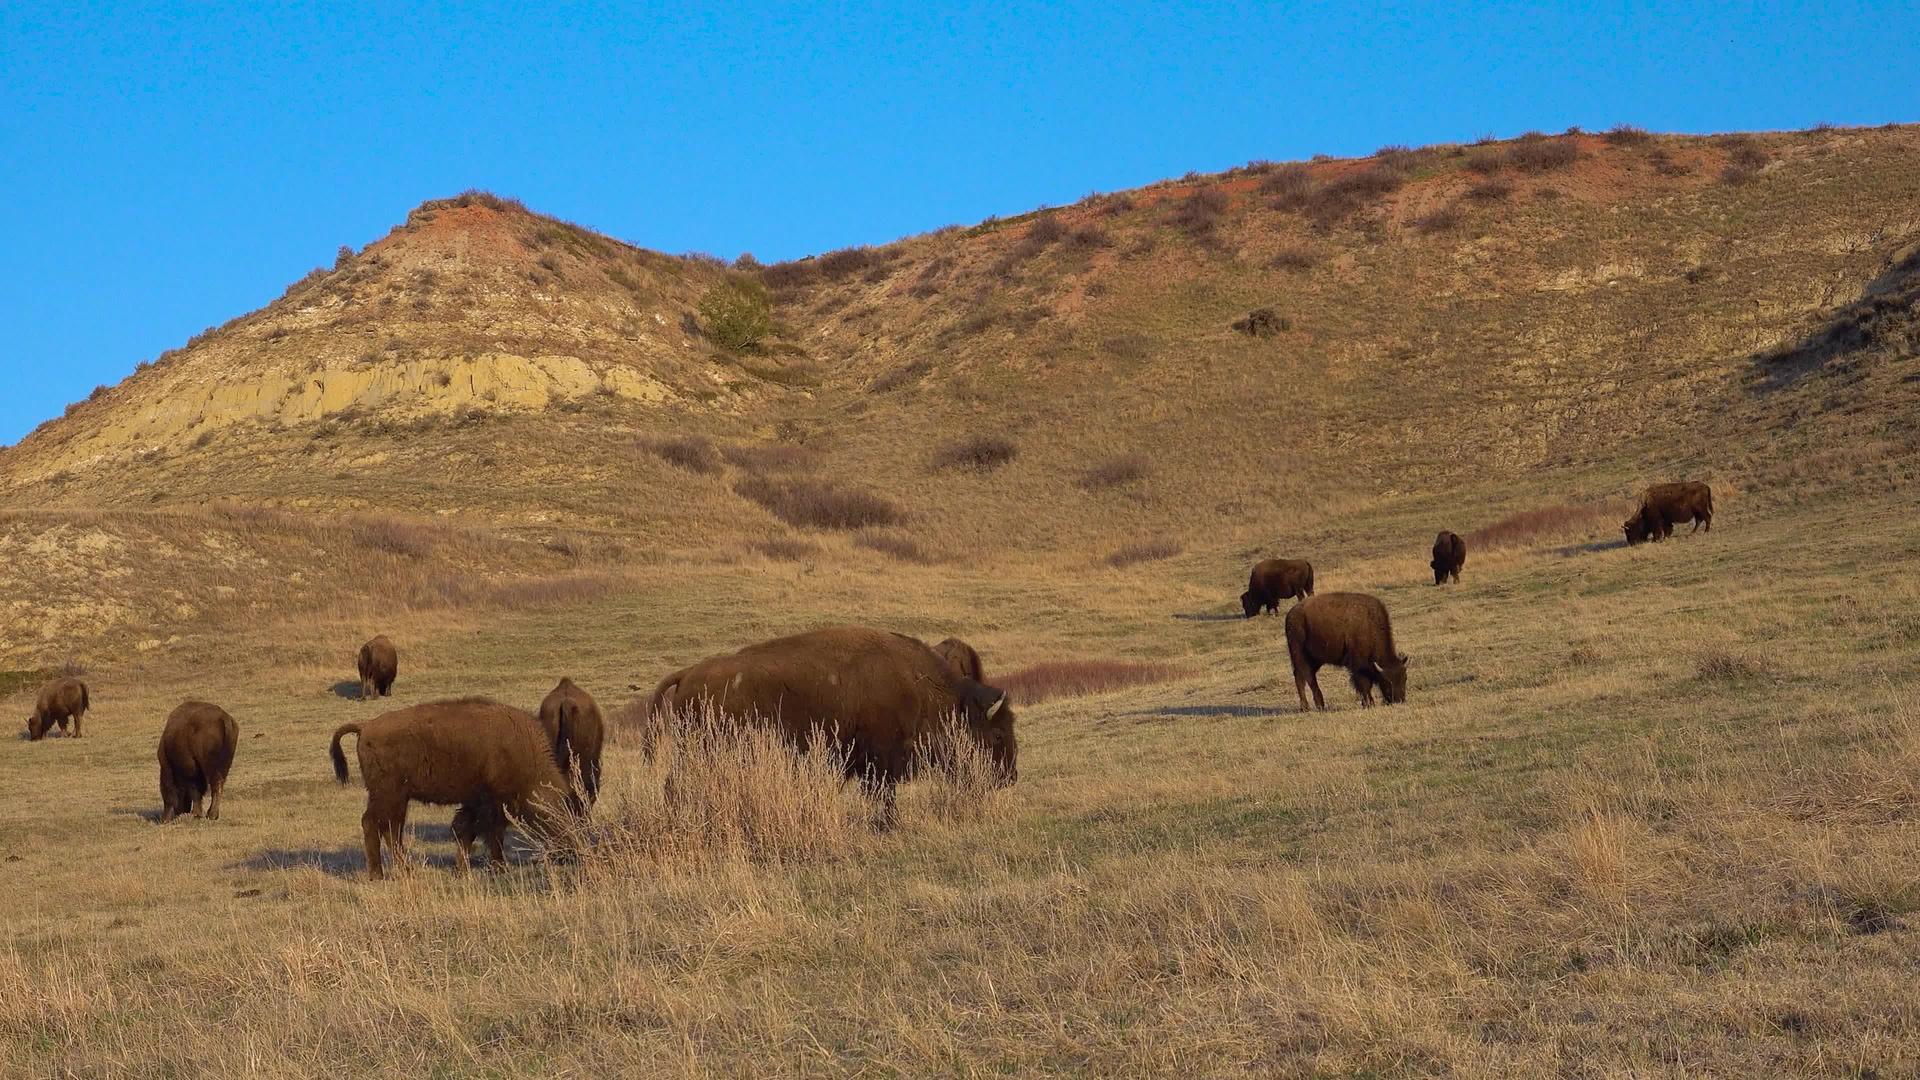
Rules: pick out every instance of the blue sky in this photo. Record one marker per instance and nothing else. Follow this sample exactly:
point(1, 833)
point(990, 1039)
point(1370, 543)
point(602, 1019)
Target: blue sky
point(166, 167)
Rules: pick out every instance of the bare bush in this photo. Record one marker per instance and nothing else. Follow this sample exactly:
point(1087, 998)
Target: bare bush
point(1627, 135)
point(1077, 678)
point(1145, 551)
point(981, 452)
point(838, 264)
point(1200, 213)
point(1536, 153)
point(789, 275)
point(1528, 526)
point(817, 504)
point(1287, 183)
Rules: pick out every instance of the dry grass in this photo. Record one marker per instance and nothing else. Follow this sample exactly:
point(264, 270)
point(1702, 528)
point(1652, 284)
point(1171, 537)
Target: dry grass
point(1561, 522)
point(1144, 551)
point(1115, 472)
point(1536, 153)
point(893, 545)
point(818, 504)
point(978, 452)
point(694, 453)
point(1079, 678)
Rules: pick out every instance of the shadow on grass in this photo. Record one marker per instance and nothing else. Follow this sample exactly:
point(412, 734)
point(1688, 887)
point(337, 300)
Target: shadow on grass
point(1591, 548)
point(347, 688)
point(1207, 616)
point(151, 815)
point(1212, 710)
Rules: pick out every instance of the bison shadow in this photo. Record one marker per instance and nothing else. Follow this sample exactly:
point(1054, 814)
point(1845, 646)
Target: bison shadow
point(1206, 616)
point(1213, 710)
point(351, 861)
point(151, 815)
point(348, 689)
point(1591, 548)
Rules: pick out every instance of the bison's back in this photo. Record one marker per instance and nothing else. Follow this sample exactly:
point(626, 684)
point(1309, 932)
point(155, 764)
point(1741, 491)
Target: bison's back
point(457, 752)
point(1341, 628)
point(1281, 578)
point(62, 698)
point(199, 740)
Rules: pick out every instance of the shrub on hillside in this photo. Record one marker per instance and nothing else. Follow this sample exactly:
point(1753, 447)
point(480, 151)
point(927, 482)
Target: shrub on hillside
point(893, 545)
point(839, 264)
point(980, 452)
point(1289, 183)
point(1295, 260)
point(1490, 191)
point(737, 312)
point(1200, 213)
point(817, 504)
point(788, 275)
point(1114, 472)
point(1534, 152)
point(1441, 219)
point(1627, 135)
point(1548, 522)
point(1146, 551)
point(690, 452)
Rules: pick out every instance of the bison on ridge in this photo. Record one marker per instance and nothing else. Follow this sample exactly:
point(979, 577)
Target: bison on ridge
point(1349, 630)
point(884, 699)
point(60, 700)
point(196, 753)
point(1449, 555)
point(1274, 580)
point(1663, 506)
point(489, 759)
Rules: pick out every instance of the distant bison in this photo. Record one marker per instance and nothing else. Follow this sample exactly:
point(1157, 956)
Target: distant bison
point(961, 658)
point(1274, 580)
point(491, 760)
point(60, 700)
point(1449, 555)
point(196, 752)
point(574, 725)
point(1663, 506)
point(882, 698)
point(379, 664)
point(1348, 630)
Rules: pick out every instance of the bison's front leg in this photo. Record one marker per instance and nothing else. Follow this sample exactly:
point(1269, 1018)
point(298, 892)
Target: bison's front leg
point(199, 802)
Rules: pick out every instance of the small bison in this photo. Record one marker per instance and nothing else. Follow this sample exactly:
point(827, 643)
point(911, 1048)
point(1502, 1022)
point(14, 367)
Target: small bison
point(883, 698)
point(574, 725)
point(1663, 506)
point(1348, 630)
point(1274, 580)
point(60, 700)
point(962, 659)
point(1449, 555)
point(379, 663)
point(489, 759)
point(196, 752)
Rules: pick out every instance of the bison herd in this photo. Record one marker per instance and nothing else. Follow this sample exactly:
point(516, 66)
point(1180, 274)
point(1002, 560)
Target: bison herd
point(883, 699)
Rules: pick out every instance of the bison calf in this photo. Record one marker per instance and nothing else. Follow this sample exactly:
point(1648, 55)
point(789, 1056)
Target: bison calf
point(489, 759)
point(60, 700)
point(196, 752)
point(572, 720)
point(1449, 555)
point(1274, 580)
point(1663, 506)
point(1347, 630)
point(378, 664)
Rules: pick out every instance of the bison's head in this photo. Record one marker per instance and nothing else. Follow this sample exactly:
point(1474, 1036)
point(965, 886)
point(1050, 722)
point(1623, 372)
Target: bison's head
point(1393, 680)
point(989, 714)
point(36, 727)
point(1250, 603)
point(1636, 528)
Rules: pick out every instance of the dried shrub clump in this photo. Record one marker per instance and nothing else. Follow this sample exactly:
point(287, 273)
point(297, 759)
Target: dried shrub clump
point(1145, 551)
point(900, 377)
point(1294, 260)
point(693, 453)
point(1527, 526)
point(1289, 184)
point(1745, 158)
point(789, 275)
point(1490, 191)
point(981, 452)
point(1114, 472)
point(1536, 153)
point(1443, 219)
point(1627, 135)
point(1340, 199)
point(771, 457)
point(893, 545)
point(737, 313)
point(1199, 214)
point(786, 549)
point(835, 265)
point(1076, 678)
point(817, 504)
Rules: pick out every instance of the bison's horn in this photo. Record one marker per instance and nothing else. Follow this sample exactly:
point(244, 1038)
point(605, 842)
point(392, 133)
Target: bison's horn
point(997, 708)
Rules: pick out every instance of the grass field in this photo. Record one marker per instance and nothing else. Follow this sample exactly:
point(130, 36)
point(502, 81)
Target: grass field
point(1647, 811)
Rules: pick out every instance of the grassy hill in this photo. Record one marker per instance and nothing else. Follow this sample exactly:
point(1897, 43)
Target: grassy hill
point(1647, 811)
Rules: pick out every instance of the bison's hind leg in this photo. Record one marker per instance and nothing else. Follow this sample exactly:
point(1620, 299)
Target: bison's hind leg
point(385, 819)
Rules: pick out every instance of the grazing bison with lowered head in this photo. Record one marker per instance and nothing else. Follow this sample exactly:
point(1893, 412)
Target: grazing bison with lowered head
point(884, 699)
point(196, 752)
point(1663, 506)
point(1274, 580)
point(1348, 630)
point(1449, 555)
point(379, 663)
point(59, 701)
point(962, 659)
point(489, 759)
point(574, 725)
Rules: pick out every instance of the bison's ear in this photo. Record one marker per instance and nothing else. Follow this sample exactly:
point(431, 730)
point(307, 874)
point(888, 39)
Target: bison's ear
point(1403, 658)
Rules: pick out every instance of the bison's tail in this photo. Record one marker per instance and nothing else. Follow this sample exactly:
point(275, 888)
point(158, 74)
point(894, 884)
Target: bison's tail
point(339, 755)
point(85, 704)
point(660, 692)
point(1309, 580)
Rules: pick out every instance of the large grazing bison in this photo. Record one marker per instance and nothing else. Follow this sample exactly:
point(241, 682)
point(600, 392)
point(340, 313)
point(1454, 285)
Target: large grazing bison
point(1274, 580)
point(1663, 506)
point(961, 658)
point(60, 700)
point(379, 663)
point(1449, 555)
point(196, 752)
point(573, 723)
point(882, 698)
point(1348, 630)
point(489, 759)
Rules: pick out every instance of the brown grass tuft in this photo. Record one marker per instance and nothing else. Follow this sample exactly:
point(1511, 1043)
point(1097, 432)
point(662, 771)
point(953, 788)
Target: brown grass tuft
point(979, 452)
point(694, 453)
point(893, 545)
point(1627, 135)
point(1536, 153)
point(1077, 678)
point(1550, 522)
point(786, 549)
point(771, 457)
point(1145, 551)
point(1114, 472)
point(817, 504)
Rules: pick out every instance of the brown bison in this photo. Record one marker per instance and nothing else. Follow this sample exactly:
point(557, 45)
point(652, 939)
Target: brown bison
point(1349, 630)
point(489, 759)
point(196, 751)
point(1449, 555)
point(1274, 580)
point(1663, 506)
point(574, 725)
point(379, 662)
point(882, 698)
point(60, 700)
point(962, 659)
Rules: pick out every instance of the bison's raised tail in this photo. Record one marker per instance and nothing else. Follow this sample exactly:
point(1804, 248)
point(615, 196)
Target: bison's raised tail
point(339, 755)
